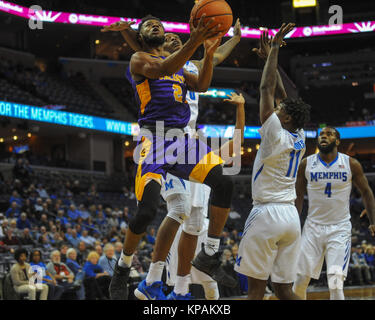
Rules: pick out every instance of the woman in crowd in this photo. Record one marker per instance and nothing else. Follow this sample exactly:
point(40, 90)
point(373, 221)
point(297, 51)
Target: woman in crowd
point(54, 291)
point(96, 279)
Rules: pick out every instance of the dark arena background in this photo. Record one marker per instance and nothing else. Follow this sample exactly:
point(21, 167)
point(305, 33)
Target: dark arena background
point(68, 117)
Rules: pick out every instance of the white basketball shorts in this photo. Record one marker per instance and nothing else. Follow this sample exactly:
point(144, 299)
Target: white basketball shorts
point(331, 242)
point(270, 243)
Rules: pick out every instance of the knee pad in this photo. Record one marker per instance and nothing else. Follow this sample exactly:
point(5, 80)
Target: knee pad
point(221, 187)
point(179, 207)
point(194, 225)
point(147, 208)
point(336, 281)
point(211, 290)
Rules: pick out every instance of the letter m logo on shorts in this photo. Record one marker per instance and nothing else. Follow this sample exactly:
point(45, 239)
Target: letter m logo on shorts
point(168, 185)
point(238, 260)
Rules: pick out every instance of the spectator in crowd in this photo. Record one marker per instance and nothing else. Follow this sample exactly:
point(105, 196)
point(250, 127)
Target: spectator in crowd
point(20, 172)
point(13, 225)
point(73, 213)
point(83, 213)
point(61, 272)
point(87, 239)
point(10, 239)
point(151, 236)
point(96, 279)
point(3, 227)
point(98, 248)
point(358, 262)
point(26, 238)
point(15, 197)
point(108, 260)
point(82, 253)
point(73, 239)
point(370, 260)
point(77, 270)
point(54, 291)
point(23, 222)
point(38, 207)
point(118, 249)
point(13, 211)
point(63, 220)
point(44, 221)
point(111, 220)
point(42, 192)
point(22, 274)
point(63, 250)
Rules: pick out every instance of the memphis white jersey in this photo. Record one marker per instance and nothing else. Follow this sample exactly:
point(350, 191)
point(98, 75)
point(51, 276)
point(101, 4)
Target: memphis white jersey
point(192, 99)
point(276, 163)
point(328, 189)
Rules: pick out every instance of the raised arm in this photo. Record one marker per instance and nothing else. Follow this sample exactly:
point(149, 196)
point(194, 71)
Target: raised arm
point(225, 49)
point(360, 181)
point(142, 64)
point(263, 52)
point(269, 77)
point(301, 185)
point(202, 81)
point(130, 36)
point(239, 101)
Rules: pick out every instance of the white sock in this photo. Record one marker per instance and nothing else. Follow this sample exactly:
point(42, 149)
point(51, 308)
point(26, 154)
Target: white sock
point(182, 285)
point(336, 294)
point(155, 272)
point(125, 261)
point(211, 246)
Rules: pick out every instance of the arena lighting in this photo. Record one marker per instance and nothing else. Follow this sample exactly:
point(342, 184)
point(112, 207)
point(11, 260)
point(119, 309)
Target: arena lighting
point(178, 27)
point(257, 146)
point(1, 140)
point(249, 150)
point(84, 121)
point(29, 135)
point(15, 138)
point(127, 143)
point(304, 3)
point(97, 41)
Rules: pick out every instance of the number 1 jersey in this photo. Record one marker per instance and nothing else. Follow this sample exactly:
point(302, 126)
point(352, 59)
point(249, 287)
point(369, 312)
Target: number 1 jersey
point(276, 163)
point(328, 188)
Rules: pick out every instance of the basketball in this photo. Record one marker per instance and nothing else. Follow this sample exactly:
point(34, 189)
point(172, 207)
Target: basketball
point(218, 9)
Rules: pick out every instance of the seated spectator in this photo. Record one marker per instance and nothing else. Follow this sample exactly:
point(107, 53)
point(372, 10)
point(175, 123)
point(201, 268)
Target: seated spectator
point(13, 211)
point(61, 272)
point(111, 220)
point(15, 197)
point(10, 239)
point(44, 221)
point(96, 279)
point(3, 227)
point(73, 213)
point(359, 266)
point(26, 238)
point(151, 236)
point(23, 222)
point(82, 253)
point(98, 248)
point(21, 274)
point(87, 239)
point(370, 260)
point(118, 249)
point(42, 192)
point(73, 239)
point(77, 269)
point(108, 260)
point(60, 217)
point(83, 213)
point(38, 206)
point(63, 249)
point(13, 225)
point(54, 291)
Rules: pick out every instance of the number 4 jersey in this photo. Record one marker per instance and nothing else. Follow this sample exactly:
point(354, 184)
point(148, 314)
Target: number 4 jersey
point(328, 188)
point(276, 163)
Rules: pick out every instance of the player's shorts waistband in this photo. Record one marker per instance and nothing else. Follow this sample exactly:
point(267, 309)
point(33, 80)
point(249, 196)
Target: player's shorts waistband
point(339, 223)
point(153, 129)
point(262, 204)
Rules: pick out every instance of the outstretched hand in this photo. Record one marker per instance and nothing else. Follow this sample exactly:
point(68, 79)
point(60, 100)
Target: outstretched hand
point(371, 226)
point(118, 26)
point(279, 36)
point(235, 98)
point(265, 45)
point(237, 29)
point(204, 30)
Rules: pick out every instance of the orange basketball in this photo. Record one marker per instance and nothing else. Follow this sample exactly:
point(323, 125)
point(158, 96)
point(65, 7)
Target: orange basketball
point(218, 9)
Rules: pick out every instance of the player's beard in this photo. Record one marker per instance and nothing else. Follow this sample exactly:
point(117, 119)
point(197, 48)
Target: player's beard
point(154, 41)
point(328, 148)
